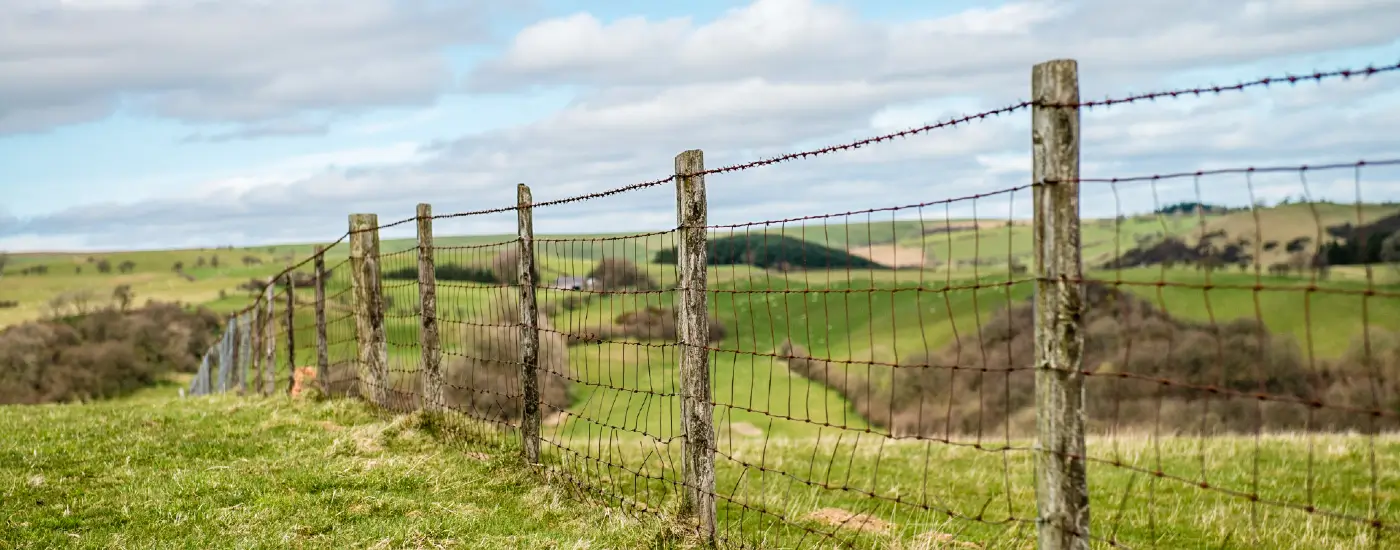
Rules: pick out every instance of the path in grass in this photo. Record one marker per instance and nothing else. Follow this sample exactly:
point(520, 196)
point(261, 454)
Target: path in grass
point(224, 472)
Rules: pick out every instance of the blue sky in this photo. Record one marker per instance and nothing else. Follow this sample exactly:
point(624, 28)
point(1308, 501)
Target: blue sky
point(272, 121)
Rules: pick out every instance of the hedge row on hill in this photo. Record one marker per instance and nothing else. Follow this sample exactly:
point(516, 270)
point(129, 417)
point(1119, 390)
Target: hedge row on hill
point(767, 251)
point(104, 354)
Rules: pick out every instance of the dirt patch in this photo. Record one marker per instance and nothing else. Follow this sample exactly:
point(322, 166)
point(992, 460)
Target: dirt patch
point(837, 517)
point(892, 255)
point(745, 429)
point(943, 540)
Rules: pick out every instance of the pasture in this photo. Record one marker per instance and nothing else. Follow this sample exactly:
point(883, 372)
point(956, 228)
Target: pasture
point(795, 452)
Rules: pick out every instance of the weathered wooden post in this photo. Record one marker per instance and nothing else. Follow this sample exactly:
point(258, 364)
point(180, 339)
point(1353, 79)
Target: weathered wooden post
point(235, 323)
point(265, 378)
point(369, 307)
point(529, 330)
point(433, 383)
point(693, 328)
point(323, 356)
point(291, 334)
point(1062, 489)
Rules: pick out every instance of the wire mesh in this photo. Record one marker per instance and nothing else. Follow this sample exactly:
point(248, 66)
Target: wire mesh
point(873, 373)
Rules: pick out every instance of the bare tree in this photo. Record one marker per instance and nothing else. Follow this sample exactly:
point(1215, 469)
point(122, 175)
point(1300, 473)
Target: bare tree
point(123, 296)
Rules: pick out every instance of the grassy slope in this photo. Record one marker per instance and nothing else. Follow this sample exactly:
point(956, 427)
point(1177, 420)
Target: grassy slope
point(224, 472)
point(627, 427)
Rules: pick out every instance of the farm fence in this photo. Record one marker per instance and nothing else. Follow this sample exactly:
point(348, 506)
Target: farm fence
point(907, 377)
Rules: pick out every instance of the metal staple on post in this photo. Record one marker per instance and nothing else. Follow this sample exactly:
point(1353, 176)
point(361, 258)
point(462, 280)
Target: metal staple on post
point(1062, 493)
point(433, 382)
point(697, 413)
point(529, 331)
point(369, 307)
point(323, 356)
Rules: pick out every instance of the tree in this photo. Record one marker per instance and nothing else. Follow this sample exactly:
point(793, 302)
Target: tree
point(214, 261)
point(178, 267)
point(104, 266)
point(1390, 250)
point(127, 266)
point(4, 259)
point(123, 296)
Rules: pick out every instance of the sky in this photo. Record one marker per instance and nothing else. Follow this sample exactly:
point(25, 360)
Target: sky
point(143, 124)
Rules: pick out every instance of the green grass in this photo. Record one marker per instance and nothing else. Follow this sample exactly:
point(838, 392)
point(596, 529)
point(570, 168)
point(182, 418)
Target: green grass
point(224, 472)
point(620, 432)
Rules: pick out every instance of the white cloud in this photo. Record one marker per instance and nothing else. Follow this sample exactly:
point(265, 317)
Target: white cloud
point(779, 75)
point(227, 61)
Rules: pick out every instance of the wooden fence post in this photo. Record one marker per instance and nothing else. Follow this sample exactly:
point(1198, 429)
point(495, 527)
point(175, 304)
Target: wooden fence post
point(266, 380)
point(433, 382)
point(529, 329)
point(369, 307)
point(291, 334)
point(323, 356)
point(255, 346)
point(1062, 489)
point(698, 461)
point(235, 324)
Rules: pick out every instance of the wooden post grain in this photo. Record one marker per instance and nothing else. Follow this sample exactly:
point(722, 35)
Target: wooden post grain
point(529, 330)
point(323, 355)
point(255, 346)
point(433, 383)
point(291, 334)
point(235, 324)
point(693, 328)
point(1062, 491)
point(369, 307)
point(265, 380)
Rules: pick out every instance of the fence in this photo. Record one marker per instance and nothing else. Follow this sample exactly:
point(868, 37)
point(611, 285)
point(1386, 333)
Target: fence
point(900, 376)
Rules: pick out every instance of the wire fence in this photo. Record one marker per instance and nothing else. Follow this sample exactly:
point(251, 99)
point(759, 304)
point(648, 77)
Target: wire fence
point(904, 377)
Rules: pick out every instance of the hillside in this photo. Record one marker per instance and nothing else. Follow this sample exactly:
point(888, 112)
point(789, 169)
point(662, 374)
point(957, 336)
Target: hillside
point(224, 472)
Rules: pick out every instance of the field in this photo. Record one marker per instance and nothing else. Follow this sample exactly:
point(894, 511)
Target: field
point(797, 450)
point(159, 471)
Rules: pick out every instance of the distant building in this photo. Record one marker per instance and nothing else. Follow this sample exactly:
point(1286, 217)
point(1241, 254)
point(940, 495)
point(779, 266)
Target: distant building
point(567, 282)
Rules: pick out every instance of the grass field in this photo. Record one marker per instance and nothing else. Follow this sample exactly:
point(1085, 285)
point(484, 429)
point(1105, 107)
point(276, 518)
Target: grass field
point(157, 471)
point(790, 447)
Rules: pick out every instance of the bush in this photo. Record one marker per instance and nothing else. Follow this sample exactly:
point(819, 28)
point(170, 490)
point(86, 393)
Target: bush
point(620, 273)
point(764, 250)
point(983, 384)
point(448, 272)
point(108, 353)
point(8, 304)
point(484, 381)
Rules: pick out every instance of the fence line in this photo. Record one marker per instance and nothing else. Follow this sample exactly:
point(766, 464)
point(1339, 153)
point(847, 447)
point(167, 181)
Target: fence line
point(776, 384)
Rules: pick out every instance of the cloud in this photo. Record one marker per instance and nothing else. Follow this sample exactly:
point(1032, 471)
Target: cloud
point(227, 61)
point(782, 75)
point(271, 128)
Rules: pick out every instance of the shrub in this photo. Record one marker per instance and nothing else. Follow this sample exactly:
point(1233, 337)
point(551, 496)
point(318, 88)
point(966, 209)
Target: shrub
point(764, 250)
point(108, 353)
point(448, 272)
point(620, 273)
point(1128, 345)
point(484, 381)
point(655, 323)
